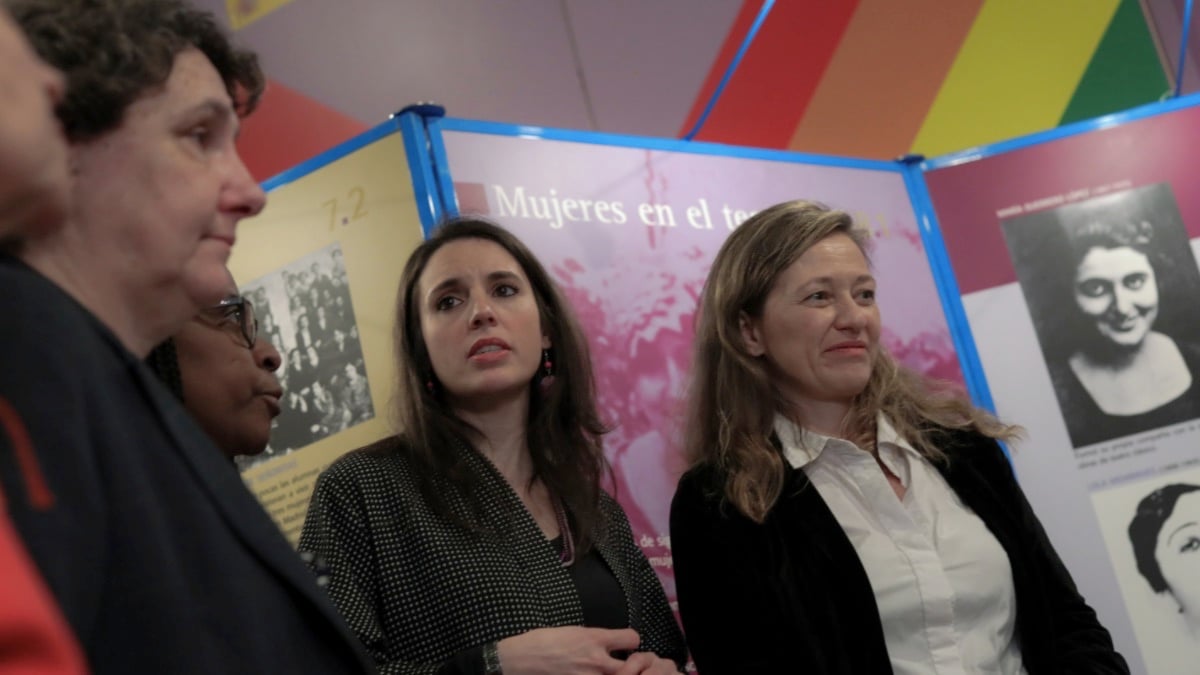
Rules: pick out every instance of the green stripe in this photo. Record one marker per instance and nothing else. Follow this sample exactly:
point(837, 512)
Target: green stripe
point(1124, 72)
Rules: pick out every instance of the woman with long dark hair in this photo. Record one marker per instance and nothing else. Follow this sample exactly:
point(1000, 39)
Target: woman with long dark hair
point(479, 537)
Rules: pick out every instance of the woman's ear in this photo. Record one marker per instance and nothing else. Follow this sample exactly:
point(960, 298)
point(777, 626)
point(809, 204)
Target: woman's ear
point(751, 335)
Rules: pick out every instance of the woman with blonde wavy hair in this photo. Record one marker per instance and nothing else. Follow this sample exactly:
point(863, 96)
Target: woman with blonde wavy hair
point(842, 515)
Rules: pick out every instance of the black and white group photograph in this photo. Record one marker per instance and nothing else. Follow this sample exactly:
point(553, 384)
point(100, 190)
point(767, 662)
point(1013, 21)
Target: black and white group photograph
point(1111, 284)
point(304, 309)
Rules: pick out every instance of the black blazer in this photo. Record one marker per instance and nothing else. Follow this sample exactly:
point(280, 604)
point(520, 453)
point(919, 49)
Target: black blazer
point(791, 595)
point(160, 559)
point(425, 593)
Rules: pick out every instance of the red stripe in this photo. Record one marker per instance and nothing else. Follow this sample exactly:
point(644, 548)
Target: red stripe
point(37, 491)
point(288, 128)
point(737, 33)
point(767, 96)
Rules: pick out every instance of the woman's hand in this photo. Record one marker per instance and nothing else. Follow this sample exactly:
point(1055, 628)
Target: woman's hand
point(569, 650)
point(646, 663)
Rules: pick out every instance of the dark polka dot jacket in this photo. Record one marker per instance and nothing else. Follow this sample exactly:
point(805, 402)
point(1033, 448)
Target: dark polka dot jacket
point(425, 594)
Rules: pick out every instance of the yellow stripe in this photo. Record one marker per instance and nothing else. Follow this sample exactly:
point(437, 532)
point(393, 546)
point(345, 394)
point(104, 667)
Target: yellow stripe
point(1015, 73)
point(245, 12)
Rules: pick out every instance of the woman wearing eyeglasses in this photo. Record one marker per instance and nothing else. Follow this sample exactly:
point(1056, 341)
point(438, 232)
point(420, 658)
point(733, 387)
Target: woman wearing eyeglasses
point(224, 374)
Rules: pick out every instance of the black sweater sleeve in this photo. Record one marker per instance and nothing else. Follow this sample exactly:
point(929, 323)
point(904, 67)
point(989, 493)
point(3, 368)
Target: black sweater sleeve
point(731, 612)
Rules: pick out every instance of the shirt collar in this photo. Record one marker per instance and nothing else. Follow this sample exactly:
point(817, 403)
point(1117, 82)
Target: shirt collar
point(802, 447)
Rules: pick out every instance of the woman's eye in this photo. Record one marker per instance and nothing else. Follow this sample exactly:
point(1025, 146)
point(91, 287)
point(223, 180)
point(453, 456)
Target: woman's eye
point(1092, 288)
point(1192, 544)
point(448, 302)
point(1135, 281)
point(200, 134)
point(818, 296)
point(506, 290)
point(867, 294)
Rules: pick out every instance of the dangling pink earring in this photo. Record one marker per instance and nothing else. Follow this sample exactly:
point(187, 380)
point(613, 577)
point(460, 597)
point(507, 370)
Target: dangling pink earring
point(429, 385)
point(547, 378)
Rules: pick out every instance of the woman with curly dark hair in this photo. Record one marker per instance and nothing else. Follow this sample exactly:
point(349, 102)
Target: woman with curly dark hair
point(1123, 375)
point(161, 560)
point(223, 371)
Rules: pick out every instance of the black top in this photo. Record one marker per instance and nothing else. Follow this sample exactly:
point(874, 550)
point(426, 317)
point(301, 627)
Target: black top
point(425, 593)
point(1088, 424)
point(599, 592)
point(791, 595)
point(161, 560)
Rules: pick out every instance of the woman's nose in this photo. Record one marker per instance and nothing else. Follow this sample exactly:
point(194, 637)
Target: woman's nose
point(482, 313)
point(1122, 302)
point(242, 194)
point(850, 315)
point(265, 355)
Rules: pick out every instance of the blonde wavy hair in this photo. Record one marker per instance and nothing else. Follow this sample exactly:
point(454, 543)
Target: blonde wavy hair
point(729, 428)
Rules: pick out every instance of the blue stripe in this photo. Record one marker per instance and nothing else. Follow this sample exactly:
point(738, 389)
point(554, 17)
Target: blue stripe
point(737, 60)
point(420, 166)
point(441, 167)
point(947, 286)
point(1183, 41)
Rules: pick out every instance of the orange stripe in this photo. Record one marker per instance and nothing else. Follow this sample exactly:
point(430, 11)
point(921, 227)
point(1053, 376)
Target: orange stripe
point(778, 75)
point(36, 490)
point(886, 73)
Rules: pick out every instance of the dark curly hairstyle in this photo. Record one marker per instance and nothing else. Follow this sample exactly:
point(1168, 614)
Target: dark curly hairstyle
point(114, 51)
point(1152, 512)
point(1047, 247)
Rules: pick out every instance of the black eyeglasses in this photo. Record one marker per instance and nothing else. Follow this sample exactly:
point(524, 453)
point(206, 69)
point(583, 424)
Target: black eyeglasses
point(238, 308)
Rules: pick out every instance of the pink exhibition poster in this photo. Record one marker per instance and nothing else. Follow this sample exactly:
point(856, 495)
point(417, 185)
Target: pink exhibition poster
point(629, 234)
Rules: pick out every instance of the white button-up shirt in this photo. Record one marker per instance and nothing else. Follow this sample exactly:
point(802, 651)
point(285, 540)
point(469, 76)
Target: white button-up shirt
point(942, 582)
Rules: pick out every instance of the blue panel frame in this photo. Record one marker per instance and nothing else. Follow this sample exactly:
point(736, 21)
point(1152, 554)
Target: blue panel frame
point(331, 155)
point(1074, 129)
point(420, 166)
point(441, 168)
point(1183, 43)
point(411, 127)
point(663, 144)
point(947, 287)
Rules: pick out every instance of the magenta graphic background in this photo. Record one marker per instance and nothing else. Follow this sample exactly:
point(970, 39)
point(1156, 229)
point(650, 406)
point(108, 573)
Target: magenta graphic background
point(967, 196)
point(635, 287)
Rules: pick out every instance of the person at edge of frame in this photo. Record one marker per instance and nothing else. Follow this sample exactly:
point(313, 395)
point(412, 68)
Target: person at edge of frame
point(158, 556)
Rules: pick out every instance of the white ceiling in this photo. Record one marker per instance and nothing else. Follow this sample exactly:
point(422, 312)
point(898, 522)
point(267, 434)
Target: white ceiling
point(622, 66)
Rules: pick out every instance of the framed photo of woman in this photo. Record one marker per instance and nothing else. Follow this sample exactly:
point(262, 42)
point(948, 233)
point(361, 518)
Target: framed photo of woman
point(1152, 530)
point(1111, 284)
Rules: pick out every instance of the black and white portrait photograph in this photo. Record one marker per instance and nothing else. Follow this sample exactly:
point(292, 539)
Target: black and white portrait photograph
point(1152, 530)
point(307, 314)
point(1112, 287)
